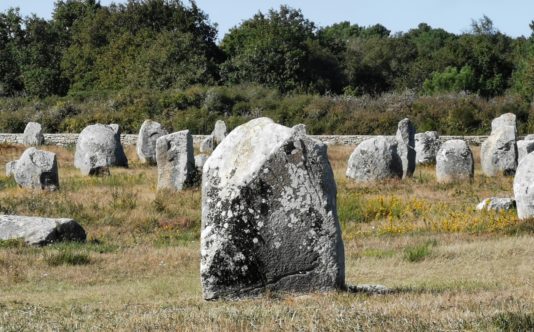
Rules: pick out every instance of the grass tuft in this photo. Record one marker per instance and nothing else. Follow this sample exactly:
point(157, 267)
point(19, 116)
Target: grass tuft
point(513, 321)
point(67, 257)
point(419, 252)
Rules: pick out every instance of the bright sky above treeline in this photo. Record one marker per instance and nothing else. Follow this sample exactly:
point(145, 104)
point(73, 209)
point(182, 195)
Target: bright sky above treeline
point(511, 17)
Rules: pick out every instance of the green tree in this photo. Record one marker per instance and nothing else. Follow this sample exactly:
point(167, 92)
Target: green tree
point(11, 37)
point(279, 50)
point(451, 80)
point(116, 47)
point(523, 77)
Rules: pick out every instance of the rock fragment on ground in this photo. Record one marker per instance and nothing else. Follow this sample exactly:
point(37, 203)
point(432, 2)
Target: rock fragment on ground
point(496, 204)
point(40, 231)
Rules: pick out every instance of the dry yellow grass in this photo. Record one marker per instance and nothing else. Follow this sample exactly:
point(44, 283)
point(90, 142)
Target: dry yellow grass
point(143, 259)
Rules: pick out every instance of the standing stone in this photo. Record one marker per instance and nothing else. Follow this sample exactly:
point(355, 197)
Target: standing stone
point(206, 146)
point(200, 160)
point(375, 159)
point(33, 134)
point(498, 153)
point(40, 231)
point(219, 133)
point(301, 128)
point(37, 169)
point(426, 147)
point(525, 147)
point(269, 217)
point(10, 168)
point(176, 161)
point(454, 162)
point(406, 147)
point(99, 147)
point(524, 187)
point(146, 141)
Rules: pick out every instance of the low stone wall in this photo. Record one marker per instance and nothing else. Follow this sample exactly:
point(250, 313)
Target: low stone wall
point(129, 139)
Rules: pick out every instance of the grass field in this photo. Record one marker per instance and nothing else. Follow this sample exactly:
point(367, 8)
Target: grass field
point(451, 268)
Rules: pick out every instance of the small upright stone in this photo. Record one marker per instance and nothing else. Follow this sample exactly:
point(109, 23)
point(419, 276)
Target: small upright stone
point(10, 168)
point(37, 169)
point(498, 153)
point(206, 146)
point(406, 147)
point(525, 147)
point(99, 147)
point(146, 141)
point(219, 133)
point(301, 128)
point(176, 161)
point(524, 187)
point(375, 159)
point(200, 160)
point(33, 134)
point(269, 219)
point(454, 162)
point(426, 147)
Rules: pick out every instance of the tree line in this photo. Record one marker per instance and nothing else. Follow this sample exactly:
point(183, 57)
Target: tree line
point(167, 44)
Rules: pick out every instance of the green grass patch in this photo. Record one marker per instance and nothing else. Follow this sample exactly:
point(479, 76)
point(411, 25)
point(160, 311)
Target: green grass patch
point(378, 253)
point(514, 321)
point(419, 252)
point(68, 257)
point(12, 243)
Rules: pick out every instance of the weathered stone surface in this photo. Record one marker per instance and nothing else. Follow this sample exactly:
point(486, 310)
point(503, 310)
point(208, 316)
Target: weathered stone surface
point(10, 168)
point(40, 231)
point(524, 187)
point(369, 289)
point(301, 128)
point(375, 159)
point(219, 132)
point(269, 219)
point(176, 161)
point(498, 154)
point(503, 121)
point(454, 162)
point(207, 145)
point(426, 147)
point(200, 160)
point(497, 204)
point(146, 141)
point(33, 134)
point(406, 146)
point(98, 148)
point(37, 169)
point(525, 147)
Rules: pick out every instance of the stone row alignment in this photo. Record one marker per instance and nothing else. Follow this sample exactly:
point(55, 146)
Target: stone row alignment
point(131, 139)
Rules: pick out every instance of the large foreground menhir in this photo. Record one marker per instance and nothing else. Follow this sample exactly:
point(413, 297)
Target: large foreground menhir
point(269, 218)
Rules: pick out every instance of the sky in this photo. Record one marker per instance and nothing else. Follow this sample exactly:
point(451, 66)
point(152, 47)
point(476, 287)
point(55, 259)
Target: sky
point(511, 17)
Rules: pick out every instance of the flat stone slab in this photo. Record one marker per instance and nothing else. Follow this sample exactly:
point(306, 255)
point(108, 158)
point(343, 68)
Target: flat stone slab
point(40, 231)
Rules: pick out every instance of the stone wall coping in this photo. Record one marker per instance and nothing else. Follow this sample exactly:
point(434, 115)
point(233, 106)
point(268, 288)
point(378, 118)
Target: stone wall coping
point(131, 139)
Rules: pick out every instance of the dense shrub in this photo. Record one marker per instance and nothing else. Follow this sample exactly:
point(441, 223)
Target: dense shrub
point(198, 107)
